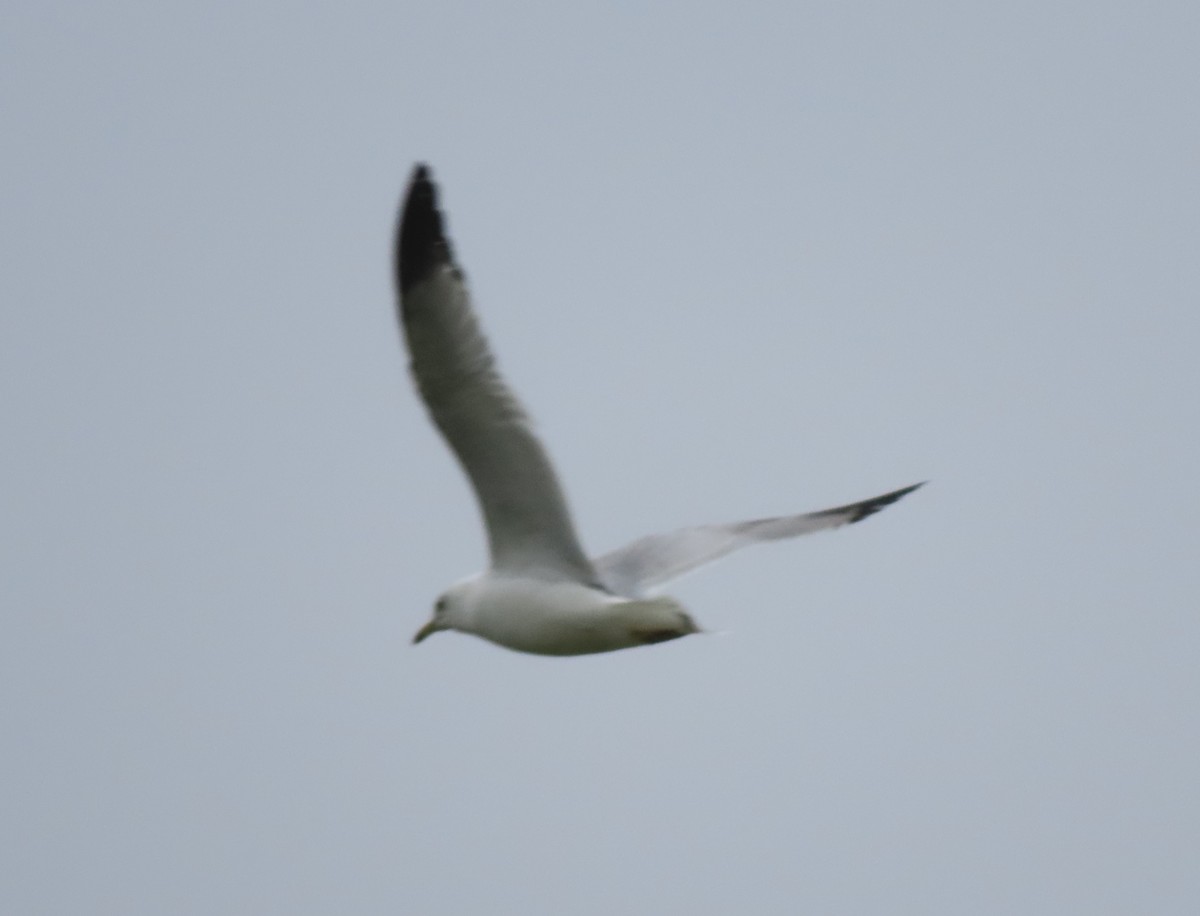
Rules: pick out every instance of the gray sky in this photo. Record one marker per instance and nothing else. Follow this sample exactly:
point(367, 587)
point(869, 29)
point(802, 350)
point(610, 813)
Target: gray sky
point(739, 259)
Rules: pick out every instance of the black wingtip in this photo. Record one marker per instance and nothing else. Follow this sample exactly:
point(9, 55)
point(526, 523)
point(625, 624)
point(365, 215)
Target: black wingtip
point(856, 512)
point(421, 244)
point(870, 506)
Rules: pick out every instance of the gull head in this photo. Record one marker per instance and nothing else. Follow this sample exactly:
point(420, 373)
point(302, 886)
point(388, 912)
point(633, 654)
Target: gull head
point(450, 612)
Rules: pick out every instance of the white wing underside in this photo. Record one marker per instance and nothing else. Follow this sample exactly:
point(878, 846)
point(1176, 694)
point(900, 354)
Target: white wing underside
point(636, 569)
point(525, 512)
point(528, 525)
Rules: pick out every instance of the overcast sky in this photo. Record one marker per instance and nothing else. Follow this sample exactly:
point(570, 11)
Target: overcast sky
point(739, 260)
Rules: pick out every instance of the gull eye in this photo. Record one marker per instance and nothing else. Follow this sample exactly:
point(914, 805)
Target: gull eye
point(441, 604)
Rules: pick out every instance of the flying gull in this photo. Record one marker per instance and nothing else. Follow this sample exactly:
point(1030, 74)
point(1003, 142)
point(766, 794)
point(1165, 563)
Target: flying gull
point(541, 592)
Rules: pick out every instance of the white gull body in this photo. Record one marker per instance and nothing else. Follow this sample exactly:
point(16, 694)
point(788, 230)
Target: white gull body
point(541, 593)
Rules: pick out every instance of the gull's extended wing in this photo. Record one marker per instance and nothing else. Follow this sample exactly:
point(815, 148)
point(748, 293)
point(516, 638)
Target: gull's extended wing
point(529, 528)
point(651, 561)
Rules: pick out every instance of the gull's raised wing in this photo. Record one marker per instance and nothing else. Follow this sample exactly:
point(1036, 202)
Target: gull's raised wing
point(651, 561)
point(528, 525)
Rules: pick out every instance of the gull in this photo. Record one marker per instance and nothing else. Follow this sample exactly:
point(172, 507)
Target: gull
point(541, 593)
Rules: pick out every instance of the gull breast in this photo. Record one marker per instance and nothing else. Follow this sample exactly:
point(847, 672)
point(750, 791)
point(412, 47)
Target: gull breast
point(567, 618)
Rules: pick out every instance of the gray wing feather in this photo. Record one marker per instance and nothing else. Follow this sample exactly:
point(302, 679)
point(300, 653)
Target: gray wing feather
point(528, 524)
point(657, 559)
